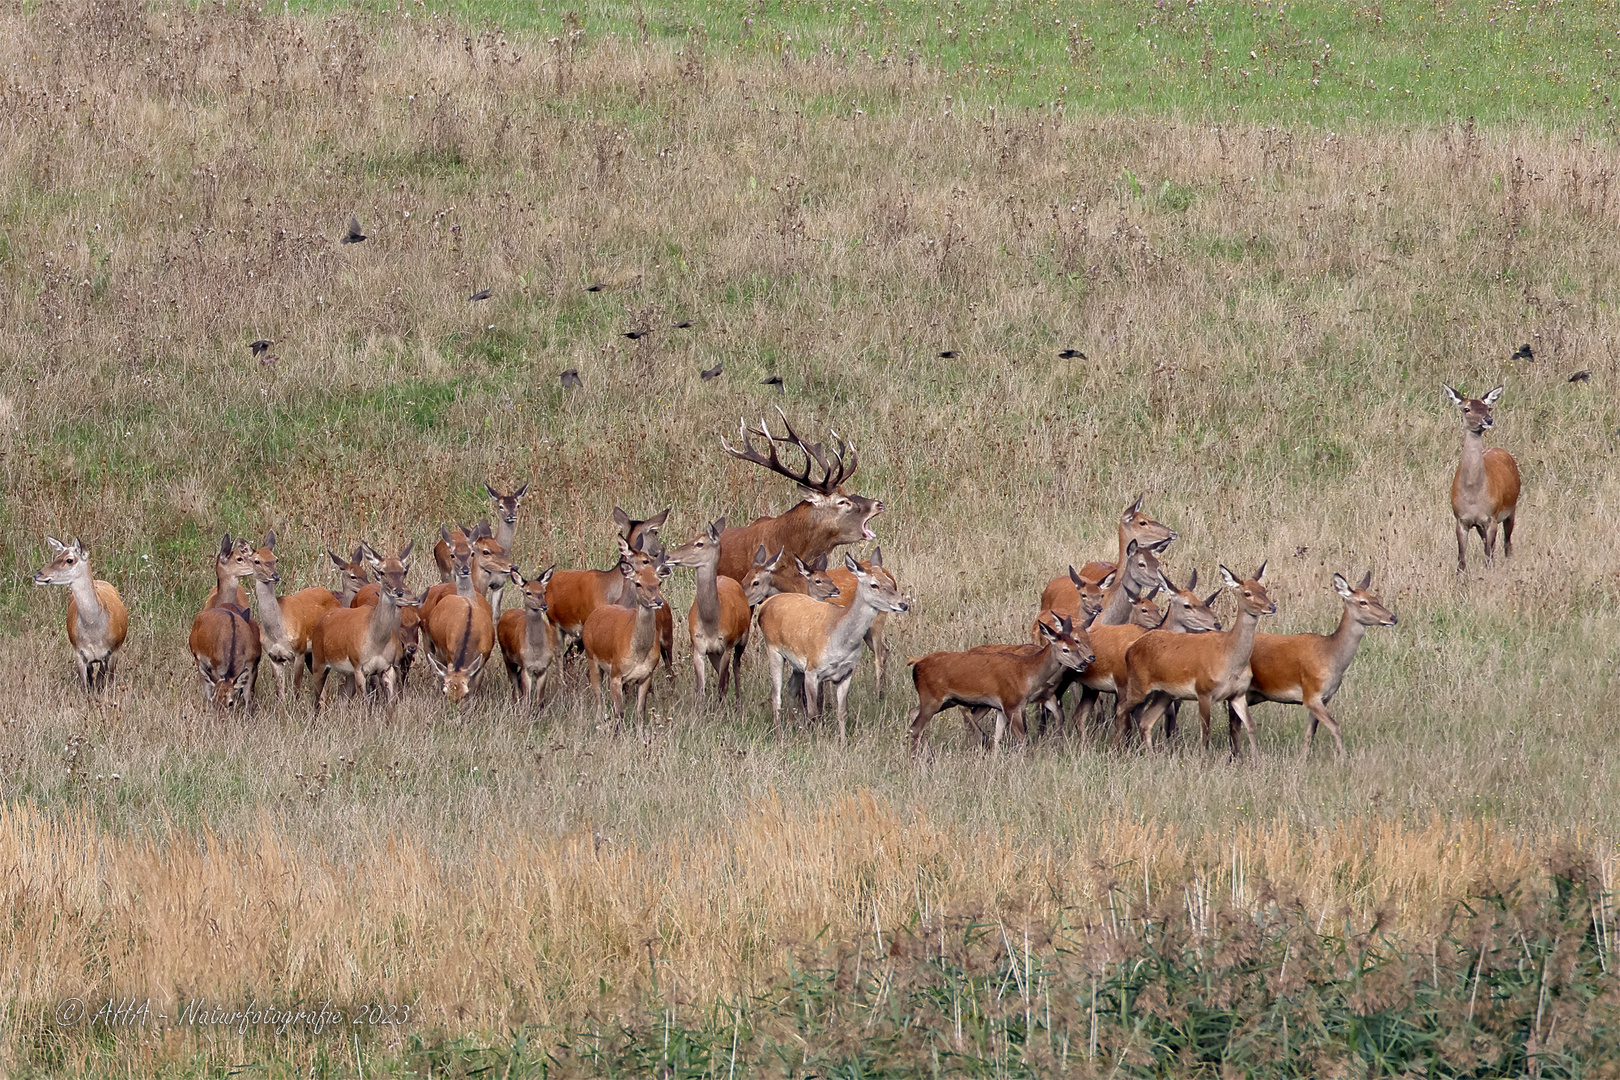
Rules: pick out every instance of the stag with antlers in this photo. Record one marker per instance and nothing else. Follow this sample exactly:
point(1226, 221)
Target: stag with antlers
point(826, 518)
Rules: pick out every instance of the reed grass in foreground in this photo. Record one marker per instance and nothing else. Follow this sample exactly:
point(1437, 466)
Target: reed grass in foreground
point(1266, 316)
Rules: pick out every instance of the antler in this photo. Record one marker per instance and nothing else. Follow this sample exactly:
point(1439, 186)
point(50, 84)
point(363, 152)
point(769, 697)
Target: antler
point(845, 459)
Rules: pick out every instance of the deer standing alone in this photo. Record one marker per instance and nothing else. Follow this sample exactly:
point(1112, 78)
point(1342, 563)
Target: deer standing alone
point(97, 621)
point(1485, 488)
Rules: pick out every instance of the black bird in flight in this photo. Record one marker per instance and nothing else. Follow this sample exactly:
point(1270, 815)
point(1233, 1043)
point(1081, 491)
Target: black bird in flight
point(571, 380)
point(1525, 353)
point(354, 235)
point(714, 372)
point(948, 354)
point(597, 287)
point(261, 346)
point(683, 325)
point(481, 294)
point(635, 335)
point(776, 381)
point(1581, 376)
point(1071, 354)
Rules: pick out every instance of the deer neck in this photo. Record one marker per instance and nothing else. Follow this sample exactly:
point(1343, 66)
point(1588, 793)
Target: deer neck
point(1472, 467)
point(1116, 607)
point(92, 616)
point(850, 630)
point(504, 531)
point(801, 532)
point(1344, 641)
point(1240, 641)
point(536, 630)
point(707, 600)
point(224, 585)
point(467, 587)
point(384, 626)
point(275, 627)
point(644, 636)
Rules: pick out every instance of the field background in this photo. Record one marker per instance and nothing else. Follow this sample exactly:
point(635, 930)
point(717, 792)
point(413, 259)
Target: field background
point(1269, 276)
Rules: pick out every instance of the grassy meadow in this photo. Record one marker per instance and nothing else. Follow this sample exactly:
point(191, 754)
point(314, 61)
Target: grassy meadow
point(1268, 287)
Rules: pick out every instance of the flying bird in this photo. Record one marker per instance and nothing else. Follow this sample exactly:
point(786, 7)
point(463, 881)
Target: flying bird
point(714, 372)
point(261, 346)
point(597, 287)
point(683, 325)
point(1581, 376)
point(571, 380)
point(354, 235)
point(481, 294)
point(1071, 354)
point(1525, 353)
point(635, 335)
point(776, 381)
point(948, 354)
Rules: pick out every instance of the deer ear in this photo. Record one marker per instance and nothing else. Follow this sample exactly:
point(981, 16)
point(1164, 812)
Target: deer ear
point(877, 557)
point(337, 562)
point(1366, 582)
point(1074, 576)
point(1341, 586)
point(625, 550)
point(761, 556)
point(359, 552)
point(1134, 507)
point(1192, 582)
point(438, 668)
point(1493, 397)
point(799, 564)
point(775, 559)
point(1260, 574)
point(477, 665)
point(718, 526)
point(490, 491)
point(1214, 596)
point(405, 553)
point(1226, 576)
point(55, 544)
point(517, 496)
point(1150, 594)
point(656, 522)
point(225, 545)
point(1130, 549)
point(270, 539)
point(1046, 631)
point(444, 534)
point(545, 578)
point(626, 569)
point(851, 565)
point(1451, 395)
point(1108, 580)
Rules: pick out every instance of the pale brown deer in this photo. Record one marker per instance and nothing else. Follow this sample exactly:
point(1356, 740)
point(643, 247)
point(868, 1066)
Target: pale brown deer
point(1485, 488)
point(720, 617)
point(826, 518)
point(823, 640)
point(1003, 678)
point(1210, 667)
point(529, 642)
point(843, 585)
point(363, 642)
point(97, 621)
point(621, 644)
point(286, 622)
point(1306, 669)
point(1061, 593)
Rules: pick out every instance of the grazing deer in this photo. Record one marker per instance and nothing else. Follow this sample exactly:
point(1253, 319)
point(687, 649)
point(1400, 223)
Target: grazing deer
point(233, 563)
point(1210, 667)
point(96, 620)
point(720, 617)
point(765, 580)
point(621, 644)
point(823, 640)
point(842, 584)
point(286, 622)
point(529, 642)
point(1003, 678)
point(1485, 489)
point(574, 594)
point(1060, 593)
point(363, 642)
point(354, 573)
point(1306, 669)
point(1184, 613)
point(826, 518)
point(225, 645)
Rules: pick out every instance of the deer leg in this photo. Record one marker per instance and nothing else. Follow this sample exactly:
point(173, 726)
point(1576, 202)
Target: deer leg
point(702, 676)
point(920, 716)
point(1240, 708)
point(1507, 536)
point(841, 694)
point(774, 660)
point(812, 698)
point(729, 659)
point(1125, 703)
point(642, 691)
point(880, 655)
point(1488, 532)
point(1151, 708)
point(616, 689)
point(1462, 547)
point(1319, 714)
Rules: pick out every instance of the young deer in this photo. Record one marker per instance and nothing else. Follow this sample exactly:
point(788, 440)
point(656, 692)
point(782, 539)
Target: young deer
point(410, 631)
point(1306, 669)
point(574, 594)
point(287, 622)
point(96, 620)
point(225, 645)
point(1485, 489)
point(823, 640)
point(1004, 678)
point(719, 621)
point(765, 580)
point(1184, 613)
point(233, 563)
point(354, 573)
point(1210, 667)
point(363, 642)
point(1060, 594)
point(825, 518)
point(491, 567)
point(529, 642)
point(1080, 605)
point(621, 644)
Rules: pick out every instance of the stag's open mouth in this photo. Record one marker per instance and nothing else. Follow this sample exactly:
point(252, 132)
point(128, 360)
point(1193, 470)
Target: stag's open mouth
point(866, 526)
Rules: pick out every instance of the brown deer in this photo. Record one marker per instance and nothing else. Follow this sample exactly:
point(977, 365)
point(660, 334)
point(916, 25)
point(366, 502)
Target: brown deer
point(506, 514)
point(286, 622)
point(1060, 593)
point(233, 563)
point(765, 580)
point(996, 677)
point(720, 617)
point(529, 642)
point(823, 640)
point(1306, 669)
point(826, 518)
point(1210, 667)
point(97, 621)
point(354, 573)
point(1485, 489)
point(461, 632)
point(364, 642)
point(574, 594)
point(1080, 605)
point(225, 644)
point(621, 644)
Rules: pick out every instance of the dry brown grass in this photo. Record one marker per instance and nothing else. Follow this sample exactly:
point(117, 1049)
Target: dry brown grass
point(1267, 313)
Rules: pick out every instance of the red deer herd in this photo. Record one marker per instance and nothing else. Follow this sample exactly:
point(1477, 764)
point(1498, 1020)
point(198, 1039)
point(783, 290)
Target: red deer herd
point(1100, 628)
